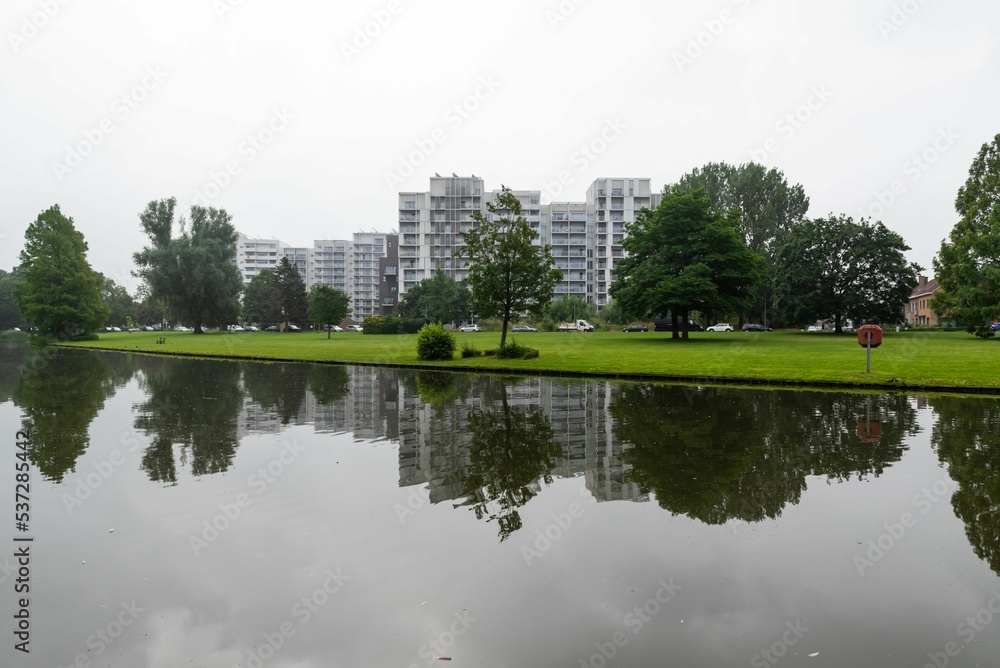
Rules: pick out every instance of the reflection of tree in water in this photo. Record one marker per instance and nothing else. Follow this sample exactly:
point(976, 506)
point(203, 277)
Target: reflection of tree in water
point(193, 403)
point(328, 383)
point(967, 437)
point(717, 454)
point(279, 387)
point(510, 449)
point(60, 392)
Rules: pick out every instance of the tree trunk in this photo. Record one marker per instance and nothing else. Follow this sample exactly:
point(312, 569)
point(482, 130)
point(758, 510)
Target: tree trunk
point(684, 323)
point(503, 331)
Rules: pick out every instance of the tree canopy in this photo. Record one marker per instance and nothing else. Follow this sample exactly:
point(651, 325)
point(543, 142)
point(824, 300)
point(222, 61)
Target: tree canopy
point(767, 207)
point(120, 303)
point(508, 273)
point(439, 298)
point(327, 306)
point(194, 273)
point(291, 293)
point(684, 257)
point(262, 298)
point(968, 265)
point(10, 316)
point(59, 293)
point(835, 267)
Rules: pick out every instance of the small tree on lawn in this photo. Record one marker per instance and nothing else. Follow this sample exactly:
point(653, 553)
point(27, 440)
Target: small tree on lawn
point(327, 306)
point(508, 273)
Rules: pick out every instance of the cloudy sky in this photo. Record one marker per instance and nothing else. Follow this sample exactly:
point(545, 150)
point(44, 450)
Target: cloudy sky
point(304, 119)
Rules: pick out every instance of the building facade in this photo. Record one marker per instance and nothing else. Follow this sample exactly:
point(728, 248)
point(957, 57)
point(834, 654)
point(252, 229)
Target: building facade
point(919, 312)
point(585, 236)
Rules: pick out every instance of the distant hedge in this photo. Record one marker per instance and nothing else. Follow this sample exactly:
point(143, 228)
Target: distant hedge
point(391, 324)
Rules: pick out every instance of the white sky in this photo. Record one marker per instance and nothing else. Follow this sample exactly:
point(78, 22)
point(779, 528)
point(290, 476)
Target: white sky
point(897, 79)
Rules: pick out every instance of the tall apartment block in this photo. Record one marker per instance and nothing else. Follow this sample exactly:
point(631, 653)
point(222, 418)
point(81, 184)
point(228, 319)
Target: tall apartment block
point(356, 267)
point(586, 237)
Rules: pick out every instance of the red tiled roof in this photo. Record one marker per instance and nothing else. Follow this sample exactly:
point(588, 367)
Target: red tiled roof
point(928, 288)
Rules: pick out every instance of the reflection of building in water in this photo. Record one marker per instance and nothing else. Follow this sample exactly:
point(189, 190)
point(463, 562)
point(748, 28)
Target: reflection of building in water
point(433, 441)
point(383, 404)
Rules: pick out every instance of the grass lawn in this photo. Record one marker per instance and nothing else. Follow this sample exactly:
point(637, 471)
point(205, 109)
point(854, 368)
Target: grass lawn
point(914, 359)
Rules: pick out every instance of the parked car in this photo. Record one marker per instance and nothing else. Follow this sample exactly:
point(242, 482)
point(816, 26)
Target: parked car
point(336, 328)
point(355, 328)
point(995, 327)
point(470, 328)
point(251, 328)
point(523, 328)
point(755, 327)
point(236, 328)
point(636, 327)
point(814, 328)
point(272, 328)
point(293, 328)
point(667, 325)
point(720, 327)
point(182, 328)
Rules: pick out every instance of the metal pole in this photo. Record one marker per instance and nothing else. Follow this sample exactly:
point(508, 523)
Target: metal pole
point(868, 338)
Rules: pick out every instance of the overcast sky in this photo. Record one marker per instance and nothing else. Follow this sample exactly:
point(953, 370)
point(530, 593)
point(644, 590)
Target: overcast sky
point(304, 119)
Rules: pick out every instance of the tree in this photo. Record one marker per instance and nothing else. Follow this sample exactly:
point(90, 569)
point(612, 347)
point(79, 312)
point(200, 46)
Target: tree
point(507, 272)
point(193, 274)
point(439, 298)
point(568, 309)
point(327, 306)
point(684, 257)
point(262, 298)
point(291, 293)
point(968, 265)
point(10, 316)
point(59, 294)
point(768, 208)
point(118, 301)
point(834, 267)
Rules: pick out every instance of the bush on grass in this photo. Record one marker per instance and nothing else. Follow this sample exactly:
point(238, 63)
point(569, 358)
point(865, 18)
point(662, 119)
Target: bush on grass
point(434, 342)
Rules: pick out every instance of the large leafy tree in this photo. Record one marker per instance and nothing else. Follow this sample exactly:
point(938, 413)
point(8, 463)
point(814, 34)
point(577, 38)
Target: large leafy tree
point(684, 257)
point(60, 294)
point(508, 273)
point(194, 273)
point(835, 267)
point(10, 316)
point(439, 298)
point(327, 306)
point(968, 265)
point(767, 205)
point(291, 292)
point(262, 298)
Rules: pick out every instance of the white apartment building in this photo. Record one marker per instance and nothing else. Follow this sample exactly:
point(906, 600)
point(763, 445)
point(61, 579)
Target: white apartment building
point(351, 266)
point(585, 236)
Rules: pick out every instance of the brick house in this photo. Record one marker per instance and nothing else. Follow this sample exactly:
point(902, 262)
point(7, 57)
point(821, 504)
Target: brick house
point(918, 311)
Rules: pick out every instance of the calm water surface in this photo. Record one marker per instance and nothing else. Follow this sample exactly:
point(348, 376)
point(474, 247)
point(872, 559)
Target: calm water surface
point(204, 513)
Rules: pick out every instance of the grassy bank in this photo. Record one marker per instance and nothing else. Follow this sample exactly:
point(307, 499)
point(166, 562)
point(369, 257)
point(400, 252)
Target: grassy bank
point(906, 359)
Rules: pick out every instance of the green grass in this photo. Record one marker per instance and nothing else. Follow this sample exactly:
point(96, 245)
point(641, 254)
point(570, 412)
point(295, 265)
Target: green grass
point(917, 359)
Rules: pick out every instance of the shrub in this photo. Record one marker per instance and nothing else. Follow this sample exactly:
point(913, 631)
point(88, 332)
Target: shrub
point(434, 342)
point(515, 351)
point(469, 350)
point(391, 324)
